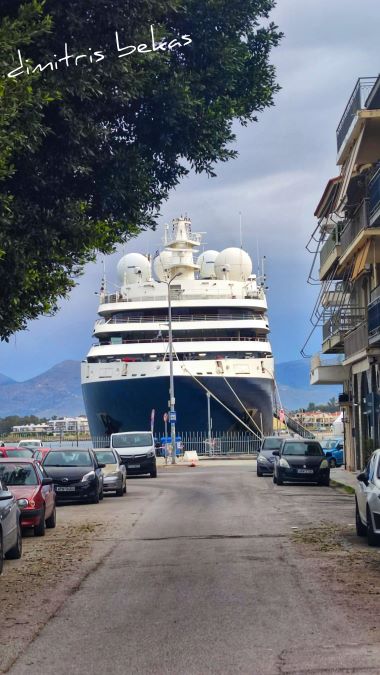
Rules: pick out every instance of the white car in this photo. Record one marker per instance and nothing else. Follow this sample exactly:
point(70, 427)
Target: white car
point(33, 443)
point(10, 526)
point(367, 500)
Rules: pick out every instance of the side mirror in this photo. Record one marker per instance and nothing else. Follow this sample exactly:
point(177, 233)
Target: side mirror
point(47, 481)
point(362, 478)
point(328, 454)
point(101, 466)
point(5, 495)
point(276, 453)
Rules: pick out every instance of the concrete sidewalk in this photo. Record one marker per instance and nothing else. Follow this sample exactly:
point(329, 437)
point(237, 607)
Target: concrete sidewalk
point(342, 478)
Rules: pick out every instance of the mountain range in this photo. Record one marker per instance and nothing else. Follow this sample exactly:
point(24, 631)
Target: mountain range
point(58, 391)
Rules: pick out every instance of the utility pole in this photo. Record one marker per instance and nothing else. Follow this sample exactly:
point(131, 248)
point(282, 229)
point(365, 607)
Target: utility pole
point(172, 413)
point(209, 422)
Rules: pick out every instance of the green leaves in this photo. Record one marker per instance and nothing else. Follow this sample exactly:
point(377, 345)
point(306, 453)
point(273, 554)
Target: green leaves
point(88, 153)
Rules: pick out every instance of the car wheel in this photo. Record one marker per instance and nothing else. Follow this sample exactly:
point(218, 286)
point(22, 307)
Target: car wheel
point(125, 486)
point(372, 537)
point(279, 481)
point(258, 473)
point(153, 474)
point(1, 553)
point(95, 498)
point(361, 529)
point(120, 491)
point(325, 481)
point(101, 495)
point(274, 478)
point(332, 463)
point(39, 530)
point(16, 551)
point(52, 520)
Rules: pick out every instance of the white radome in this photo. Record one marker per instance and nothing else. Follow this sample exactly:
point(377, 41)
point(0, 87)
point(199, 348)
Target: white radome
point(206, 264)
point(234, 264)
point(132, 268)
point(162, 264)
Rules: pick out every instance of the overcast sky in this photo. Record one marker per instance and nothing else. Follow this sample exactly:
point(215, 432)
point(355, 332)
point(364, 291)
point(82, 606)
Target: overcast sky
point(284, 163)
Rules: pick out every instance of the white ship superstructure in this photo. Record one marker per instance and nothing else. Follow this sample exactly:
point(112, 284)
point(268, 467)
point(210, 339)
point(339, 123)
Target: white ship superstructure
point(220, 341)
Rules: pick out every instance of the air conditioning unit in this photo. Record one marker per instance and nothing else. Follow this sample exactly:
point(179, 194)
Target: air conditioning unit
point(344, 399)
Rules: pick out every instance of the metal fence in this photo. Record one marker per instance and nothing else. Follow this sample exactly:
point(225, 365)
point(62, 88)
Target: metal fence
point(220, 444)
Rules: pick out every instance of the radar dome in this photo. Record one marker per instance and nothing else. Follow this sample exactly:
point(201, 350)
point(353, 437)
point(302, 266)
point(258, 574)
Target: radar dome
point(162, 264)
point(206, 265)
point(132, 268)
point(234, 264)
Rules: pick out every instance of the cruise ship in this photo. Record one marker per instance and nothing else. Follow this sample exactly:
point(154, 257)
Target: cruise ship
point(221, 349)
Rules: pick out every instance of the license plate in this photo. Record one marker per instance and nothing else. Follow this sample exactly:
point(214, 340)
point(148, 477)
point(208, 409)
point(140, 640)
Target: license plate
point(65, 489)
point(305, 471)
point(133, 466)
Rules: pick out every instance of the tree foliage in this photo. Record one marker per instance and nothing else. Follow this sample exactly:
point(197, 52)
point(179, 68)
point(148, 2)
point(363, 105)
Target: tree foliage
point(89, 152)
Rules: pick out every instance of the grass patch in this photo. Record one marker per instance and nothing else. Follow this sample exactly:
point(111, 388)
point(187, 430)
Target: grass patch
point(346, 488)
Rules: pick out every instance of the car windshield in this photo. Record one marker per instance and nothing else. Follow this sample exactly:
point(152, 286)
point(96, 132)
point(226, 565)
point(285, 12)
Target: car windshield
point(271, 444)
point(20, 452)
point(331, 444)
point(18, 474)
point(57, 458)
point(303, 449)
point(132, 440)
point(105, 457)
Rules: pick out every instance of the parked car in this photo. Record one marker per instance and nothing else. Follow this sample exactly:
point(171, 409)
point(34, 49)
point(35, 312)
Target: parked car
point(30, 443)
point(33, 490)
point(76, 473)
point(40, 454)
point(115, 473)
point(16, 452)
point(367, 501)
point(301, 461)
point(334, 448)
point(266, 458)
point(10, 528)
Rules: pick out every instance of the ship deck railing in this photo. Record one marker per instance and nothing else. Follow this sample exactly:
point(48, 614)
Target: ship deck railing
point(184, 295)
point(186, 339)
point(183, 318)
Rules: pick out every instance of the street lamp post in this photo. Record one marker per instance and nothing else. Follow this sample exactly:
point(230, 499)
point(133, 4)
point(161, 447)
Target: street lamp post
point(172, 413)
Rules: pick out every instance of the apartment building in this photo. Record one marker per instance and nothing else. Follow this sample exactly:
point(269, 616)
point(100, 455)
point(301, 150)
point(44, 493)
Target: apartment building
point(348, 256)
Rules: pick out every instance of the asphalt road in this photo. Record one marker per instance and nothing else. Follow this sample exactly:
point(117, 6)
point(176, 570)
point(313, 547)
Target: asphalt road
point(207, 579)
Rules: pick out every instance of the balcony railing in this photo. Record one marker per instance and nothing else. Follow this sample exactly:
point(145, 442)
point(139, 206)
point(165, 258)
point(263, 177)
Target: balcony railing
point(328, 247)
point(374, 318)
point(356, 224)
point(356, 340)
point(343, 320)
point(374, 198)
point(356, 102)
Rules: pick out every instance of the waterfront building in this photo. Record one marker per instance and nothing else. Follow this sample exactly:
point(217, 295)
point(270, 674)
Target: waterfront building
point(348, 253)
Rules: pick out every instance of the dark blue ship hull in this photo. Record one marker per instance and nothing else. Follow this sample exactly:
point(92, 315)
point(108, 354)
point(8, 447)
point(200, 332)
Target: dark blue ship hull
point(126, 405)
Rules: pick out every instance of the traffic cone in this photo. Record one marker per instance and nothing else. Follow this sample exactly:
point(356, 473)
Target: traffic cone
point(193, 463)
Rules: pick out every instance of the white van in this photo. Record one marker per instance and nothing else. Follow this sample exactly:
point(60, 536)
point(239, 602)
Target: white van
point(136, 450)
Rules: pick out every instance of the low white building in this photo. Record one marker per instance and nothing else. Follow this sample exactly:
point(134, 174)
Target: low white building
point(60, 425)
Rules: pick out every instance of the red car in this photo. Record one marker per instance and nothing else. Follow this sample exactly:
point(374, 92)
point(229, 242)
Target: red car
point(15, 452)
point(40, 454)
point(34, 491)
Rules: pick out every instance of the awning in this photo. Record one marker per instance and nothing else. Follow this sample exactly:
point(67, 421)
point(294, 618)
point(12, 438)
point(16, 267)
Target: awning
point(361, 260)
point(348, 171)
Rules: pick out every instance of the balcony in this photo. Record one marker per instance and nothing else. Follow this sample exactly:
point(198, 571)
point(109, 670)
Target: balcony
point(354, 227)
point(329, 255)
point(357, 340)
point(356, 102)
point(331, 371)
point(374, 199)
point(374, 318)
point(336, 327)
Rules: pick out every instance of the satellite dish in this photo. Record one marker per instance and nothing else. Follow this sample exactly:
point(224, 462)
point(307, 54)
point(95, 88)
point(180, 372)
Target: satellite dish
point(132, 268)
point(162, 264)
point(206, 264)
point(234, 264)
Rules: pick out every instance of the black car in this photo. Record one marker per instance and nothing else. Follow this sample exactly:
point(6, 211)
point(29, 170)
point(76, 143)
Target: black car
point(266, 458)
point(301, 461)
point(77, 475)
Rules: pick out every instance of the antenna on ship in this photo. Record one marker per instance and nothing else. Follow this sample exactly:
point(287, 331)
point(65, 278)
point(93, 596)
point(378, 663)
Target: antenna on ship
point(241, 231)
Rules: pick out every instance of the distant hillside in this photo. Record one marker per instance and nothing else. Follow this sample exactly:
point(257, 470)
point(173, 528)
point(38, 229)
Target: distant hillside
point(293, 379)
point(55, 392)
point(58, 390)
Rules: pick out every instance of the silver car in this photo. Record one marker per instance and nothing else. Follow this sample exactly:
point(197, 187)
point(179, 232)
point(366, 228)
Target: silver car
point(115, 473)
point(10, 528)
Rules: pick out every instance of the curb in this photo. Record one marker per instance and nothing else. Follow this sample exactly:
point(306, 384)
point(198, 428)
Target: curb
point(338, 484)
